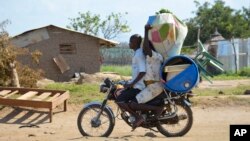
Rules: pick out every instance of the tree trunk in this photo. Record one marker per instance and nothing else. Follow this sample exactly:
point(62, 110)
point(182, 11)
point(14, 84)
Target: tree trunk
point(14, 76)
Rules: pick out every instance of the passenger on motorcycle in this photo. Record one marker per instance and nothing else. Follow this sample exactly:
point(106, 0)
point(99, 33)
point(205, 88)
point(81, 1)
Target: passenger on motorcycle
point(151, 80)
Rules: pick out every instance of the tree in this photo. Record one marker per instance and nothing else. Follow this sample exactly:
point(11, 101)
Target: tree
point(13, 73)
point(86, 23)
point(229, 22)
point(7, 58)
point(246, 17)
point(110, 28)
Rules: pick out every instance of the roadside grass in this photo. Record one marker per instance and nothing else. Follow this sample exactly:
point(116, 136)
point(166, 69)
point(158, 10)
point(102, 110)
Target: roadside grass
point(221, 97)
point(79, 94)
point(226, 77)
point(121, 70)
point(90, 92)
point(244, 73)
point(239, 90)
point(229, 77)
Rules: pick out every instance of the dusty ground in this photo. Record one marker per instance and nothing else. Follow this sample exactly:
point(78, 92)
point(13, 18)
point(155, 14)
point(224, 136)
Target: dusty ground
point(210, 123)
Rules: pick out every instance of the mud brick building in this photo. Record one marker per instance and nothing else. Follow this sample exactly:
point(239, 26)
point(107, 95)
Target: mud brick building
point(64, 52)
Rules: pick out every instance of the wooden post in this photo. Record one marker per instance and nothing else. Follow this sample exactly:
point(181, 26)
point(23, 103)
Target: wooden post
point(50, 115)
point(65, 105)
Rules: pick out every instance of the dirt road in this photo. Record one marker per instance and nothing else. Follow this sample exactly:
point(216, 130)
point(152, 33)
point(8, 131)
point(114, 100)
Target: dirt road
point(210, 123)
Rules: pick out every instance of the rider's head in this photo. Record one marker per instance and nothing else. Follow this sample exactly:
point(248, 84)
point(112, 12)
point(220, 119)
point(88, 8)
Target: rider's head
point(135, 41)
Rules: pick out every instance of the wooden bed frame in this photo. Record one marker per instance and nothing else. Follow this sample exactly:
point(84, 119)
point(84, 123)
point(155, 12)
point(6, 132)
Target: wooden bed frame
point(36, 98)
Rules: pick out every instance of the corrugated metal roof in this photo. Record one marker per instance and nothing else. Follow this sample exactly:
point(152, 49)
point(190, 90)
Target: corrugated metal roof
point(102, 41)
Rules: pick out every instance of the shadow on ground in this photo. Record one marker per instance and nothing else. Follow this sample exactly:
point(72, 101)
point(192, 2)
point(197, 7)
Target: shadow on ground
point(23, 116)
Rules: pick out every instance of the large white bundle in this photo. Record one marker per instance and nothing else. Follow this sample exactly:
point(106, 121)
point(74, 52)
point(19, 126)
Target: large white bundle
point(168, 34)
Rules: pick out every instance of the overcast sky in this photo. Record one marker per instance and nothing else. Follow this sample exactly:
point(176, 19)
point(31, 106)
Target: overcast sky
point(29, 14)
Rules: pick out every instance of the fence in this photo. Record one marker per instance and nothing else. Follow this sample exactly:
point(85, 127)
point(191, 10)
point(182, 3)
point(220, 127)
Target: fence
point(234, 54)
point(117, 56)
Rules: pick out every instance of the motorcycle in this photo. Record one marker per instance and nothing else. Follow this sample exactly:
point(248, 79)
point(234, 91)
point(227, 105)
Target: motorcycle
point(98, 119)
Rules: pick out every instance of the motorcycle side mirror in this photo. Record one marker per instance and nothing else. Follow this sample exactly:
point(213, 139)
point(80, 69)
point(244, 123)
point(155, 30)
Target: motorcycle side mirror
point(108, 82)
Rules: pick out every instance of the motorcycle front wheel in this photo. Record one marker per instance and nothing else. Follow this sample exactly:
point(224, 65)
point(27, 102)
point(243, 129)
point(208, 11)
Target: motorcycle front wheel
point(179, 125)
point(89, 125)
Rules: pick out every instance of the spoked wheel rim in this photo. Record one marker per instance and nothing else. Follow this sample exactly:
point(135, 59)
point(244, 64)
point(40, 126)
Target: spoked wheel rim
point(93, 126)
point(179, 125)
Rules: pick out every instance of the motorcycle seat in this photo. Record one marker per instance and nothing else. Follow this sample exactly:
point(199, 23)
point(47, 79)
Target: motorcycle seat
point(157, 101)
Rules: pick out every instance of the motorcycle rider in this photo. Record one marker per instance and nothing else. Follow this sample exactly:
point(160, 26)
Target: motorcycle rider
point(136, 84)
point(151, 80)
point(138, 71)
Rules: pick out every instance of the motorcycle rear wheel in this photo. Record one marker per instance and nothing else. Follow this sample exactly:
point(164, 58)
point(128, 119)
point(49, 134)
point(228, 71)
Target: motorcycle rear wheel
point(181, 127)
point(89, 125)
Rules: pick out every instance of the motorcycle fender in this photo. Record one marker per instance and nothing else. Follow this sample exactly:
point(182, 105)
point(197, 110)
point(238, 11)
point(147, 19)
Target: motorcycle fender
point(100, 104)
point(186, 103)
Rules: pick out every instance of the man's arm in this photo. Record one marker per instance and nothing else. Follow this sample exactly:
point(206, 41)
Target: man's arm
point(146, 49)
point(141, 62)
point(138, 78)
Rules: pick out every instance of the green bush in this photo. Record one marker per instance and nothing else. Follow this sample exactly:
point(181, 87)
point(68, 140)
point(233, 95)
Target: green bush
point(229, 75)
point(245, 72)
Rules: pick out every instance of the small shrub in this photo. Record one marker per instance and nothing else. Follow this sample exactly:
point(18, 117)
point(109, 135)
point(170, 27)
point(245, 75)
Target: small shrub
point(229, 75)
point(28, 77)
point(245, 72)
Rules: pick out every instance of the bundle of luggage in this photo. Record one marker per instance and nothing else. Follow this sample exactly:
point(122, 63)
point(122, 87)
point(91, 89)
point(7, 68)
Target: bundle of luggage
point(179, 73)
